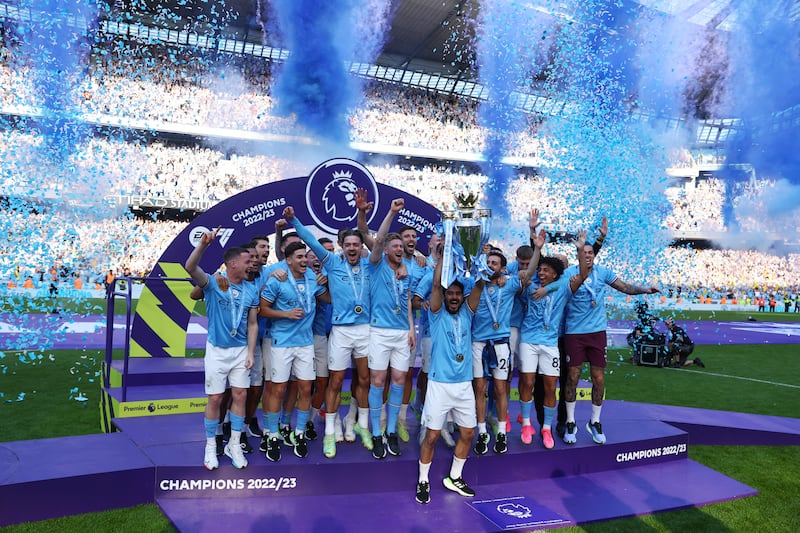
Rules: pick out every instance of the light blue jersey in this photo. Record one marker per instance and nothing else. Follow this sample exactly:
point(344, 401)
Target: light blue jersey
point(520, 303)
point(291, 294)
point(348, 284)
point(542, 323)
point(423, 290)
point(451, 352)
point(388, 296)
point(322, 319)
point(586, 310)
point(227, 312)
point(495, 310)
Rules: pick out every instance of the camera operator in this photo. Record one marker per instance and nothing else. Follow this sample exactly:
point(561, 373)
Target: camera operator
point(680, 346)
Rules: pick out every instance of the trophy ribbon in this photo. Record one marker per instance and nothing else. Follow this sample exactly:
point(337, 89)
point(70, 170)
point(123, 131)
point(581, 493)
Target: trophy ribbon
point(448, 273)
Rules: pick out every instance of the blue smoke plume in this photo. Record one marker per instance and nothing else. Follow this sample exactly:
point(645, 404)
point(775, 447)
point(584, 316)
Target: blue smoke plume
point(763, 90)
point(314, 83)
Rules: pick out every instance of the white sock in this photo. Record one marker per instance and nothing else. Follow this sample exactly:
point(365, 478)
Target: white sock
point(423, 472)
point(501, 427)
point(235, 438)
point(330, 423)
point(353, 409)
point(457, 467)
point(401, 416)
point(211, 441)
point(313, 414)
point(570, 411)
point(596, 413)
point(363, 417)
point(481, 427)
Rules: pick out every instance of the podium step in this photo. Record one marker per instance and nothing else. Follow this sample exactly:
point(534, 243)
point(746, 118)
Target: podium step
point(520, 505)
point(157, 371)
point(175, 445)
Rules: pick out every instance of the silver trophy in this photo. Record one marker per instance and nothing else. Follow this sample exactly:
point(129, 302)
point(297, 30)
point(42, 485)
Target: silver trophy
point(473, 226)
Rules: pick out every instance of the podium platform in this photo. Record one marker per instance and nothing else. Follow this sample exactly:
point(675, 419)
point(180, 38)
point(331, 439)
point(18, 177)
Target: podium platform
point(642, 469)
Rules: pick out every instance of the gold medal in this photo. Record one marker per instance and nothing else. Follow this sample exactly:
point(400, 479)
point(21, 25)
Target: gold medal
point(233, 332)
point(459, 357)
point(358, 309)
point(496, 325)
point(594, 303)
point(397, 310)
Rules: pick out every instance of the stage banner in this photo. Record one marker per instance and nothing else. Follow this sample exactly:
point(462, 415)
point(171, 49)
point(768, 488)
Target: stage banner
point(325, 200)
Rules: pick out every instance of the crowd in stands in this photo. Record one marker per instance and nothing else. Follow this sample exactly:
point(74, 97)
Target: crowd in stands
point(183, 89)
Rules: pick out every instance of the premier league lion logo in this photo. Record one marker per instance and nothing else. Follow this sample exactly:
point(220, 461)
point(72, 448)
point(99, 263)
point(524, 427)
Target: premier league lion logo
point(331, 193)
point(340, 197)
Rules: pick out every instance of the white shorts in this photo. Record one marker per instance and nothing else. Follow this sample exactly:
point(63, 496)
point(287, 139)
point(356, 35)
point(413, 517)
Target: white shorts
point(266, 358)
point(257, 372)
point(347, 341)
point(389, 347)
point(426, 344)
point(293, 361)
point(223, 366)
point(539, 358)
point(502, 371)
point(442, 398)
point(321, 356)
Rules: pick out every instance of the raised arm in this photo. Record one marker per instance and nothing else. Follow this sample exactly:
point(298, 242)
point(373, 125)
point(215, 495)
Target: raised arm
point(280, 225)
point(383, 230)
point(602, 237)
point(437, 294)
point(533, 223)
point(192, 264)
point(364, 207)
point(629, 288)
point(583, 268)
point(305, 235)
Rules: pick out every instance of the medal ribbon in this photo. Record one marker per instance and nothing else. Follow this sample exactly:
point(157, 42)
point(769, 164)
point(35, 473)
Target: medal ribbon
point(236, 309)
point(306, 302)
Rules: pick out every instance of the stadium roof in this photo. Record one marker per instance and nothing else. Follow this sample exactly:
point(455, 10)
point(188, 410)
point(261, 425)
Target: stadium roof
point(426, 35)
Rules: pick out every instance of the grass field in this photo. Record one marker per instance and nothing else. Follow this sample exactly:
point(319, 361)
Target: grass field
point(761, 379)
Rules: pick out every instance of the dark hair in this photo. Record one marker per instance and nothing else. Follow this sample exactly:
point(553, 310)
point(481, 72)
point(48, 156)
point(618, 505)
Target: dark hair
point(324, 240)
point(405, 228)
point(348, 232)
point(457, 282)
point(524, 252)
point(553, 263)
point(234, 252)
point(254, 239)
point(293, 247)
point(498, 253)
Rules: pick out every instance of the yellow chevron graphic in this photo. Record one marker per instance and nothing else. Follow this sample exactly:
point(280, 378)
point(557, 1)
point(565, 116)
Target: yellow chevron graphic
point(149, 310)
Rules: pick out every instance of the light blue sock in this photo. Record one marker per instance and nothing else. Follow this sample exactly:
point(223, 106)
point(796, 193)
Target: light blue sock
point(272, 423)
point(525, 407)
point(549, 413)
point(237, 422)
point(302, 418)
point(395, 399)
point(375, 407)
point(211, 428)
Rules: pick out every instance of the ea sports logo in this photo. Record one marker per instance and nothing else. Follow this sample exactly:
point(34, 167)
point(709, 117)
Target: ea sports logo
point(196, 235)
point(331, 193)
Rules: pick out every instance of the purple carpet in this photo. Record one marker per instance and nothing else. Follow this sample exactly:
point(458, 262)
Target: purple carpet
point(643, 469)
point(77, 331)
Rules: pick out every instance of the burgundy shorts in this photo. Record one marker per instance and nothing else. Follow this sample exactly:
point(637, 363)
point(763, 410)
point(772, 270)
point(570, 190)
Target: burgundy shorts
point(586, 347)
